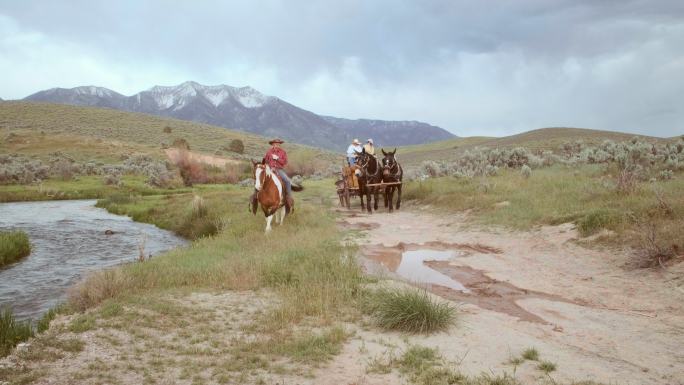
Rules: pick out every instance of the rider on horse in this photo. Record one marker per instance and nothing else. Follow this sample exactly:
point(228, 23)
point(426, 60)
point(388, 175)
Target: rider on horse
point(276, 158)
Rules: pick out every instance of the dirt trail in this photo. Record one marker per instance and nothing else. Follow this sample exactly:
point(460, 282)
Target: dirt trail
point(580, 308)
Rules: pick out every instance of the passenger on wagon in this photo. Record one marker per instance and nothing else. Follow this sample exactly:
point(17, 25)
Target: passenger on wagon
point(369, 147)
point(353, 148)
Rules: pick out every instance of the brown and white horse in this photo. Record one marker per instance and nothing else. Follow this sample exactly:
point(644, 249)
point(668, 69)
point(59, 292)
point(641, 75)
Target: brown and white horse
point(270, 193)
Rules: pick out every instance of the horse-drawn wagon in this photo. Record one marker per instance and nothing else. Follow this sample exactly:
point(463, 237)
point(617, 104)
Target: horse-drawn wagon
point(348, 186)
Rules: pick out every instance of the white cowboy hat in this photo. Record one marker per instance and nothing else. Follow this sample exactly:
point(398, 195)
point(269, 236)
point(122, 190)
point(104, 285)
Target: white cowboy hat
point(370, 140)
point(356, 141)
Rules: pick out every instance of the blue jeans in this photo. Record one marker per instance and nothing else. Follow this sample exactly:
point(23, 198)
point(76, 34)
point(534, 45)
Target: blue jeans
point(352, 160)
point(286, 180)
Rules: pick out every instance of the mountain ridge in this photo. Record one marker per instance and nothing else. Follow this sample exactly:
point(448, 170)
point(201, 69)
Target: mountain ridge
point(247, 109)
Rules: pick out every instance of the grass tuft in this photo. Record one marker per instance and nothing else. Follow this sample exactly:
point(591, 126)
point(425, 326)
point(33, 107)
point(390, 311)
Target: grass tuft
point(12, 331)
point(14, 245)
point(546, 366)
point(531, 354)
point(409, 310)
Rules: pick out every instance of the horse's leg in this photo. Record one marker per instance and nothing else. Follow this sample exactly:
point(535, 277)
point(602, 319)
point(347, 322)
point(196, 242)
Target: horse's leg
point(268, 222)
point(375, 196)
point(390, 198)
point(385, 196)
point(398, 196)
point(368, 200)
point(281, 215)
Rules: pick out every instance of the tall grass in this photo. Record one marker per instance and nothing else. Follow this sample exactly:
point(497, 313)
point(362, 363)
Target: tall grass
point(303, 260)
point(12, 331)
point(14, 245)
point(409, 310)
point(584, 195)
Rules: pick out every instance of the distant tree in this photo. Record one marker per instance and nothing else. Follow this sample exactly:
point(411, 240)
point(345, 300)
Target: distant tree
point(181, 143)
point(236, 145)
point(167, 129)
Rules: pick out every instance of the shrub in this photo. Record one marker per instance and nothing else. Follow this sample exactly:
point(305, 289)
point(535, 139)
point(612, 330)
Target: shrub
point(181, 144)
point(14, 245)
point(546, 366)
point(198, 207)
point(167, 129)
point(665, 175)
point(97, 287)
point(191, 171)
point(111, 179)
point(598, 220)
point(526, 171)
point(237, 146)
point(409, 310)
point(12, 331)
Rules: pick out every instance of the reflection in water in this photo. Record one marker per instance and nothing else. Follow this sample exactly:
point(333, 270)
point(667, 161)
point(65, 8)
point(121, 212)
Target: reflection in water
point(409, 265)
point(67, 240)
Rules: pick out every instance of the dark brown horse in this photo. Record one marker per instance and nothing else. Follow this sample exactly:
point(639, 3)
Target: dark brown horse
point(391, 173)
point(369, 172)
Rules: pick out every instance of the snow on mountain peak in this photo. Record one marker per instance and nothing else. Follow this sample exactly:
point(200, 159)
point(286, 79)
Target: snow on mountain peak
point(177, 96)
point(94, 91)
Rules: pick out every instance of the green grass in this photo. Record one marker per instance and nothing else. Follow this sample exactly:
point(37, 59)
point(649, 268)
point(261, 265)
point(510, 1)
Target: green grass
point(301, 260)
point(584, 195)
point(409, 310)
point(83, 187)
point(12, 331)
point(14, 245)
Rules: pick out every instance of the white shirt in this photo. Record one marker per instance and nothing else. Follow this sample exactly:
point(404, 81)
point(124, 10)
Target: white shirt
point(353, 149)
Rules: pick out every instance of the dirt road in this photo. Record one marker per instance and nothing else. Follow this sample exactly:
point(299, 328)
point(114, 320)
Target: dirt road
point(581, 308)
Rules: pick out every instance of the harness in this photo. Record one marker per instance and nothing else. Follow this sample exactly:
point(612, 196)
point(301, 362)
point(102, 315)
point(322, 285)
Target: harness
point(364, 166)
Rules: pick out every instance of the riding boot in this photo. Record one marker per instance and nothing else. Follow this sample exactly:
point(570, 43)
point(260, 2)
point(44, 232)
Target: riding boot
point(253, 203)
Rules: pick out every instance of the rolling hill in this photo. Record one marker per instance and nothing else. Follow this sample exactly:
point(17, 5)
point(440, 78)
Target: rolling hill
point(550, 138)
point(247, 109)
point(93, 133)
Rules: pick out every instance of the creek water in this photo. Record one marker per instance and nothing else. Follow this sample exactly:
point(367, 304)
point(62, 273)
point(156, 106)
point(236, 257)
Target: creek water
point(68, 240)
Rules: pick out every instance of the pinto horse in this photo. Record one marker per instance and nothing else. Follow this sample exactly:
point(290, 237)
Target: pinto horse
point(368, 172)
point(270, 193)
point(391, 172)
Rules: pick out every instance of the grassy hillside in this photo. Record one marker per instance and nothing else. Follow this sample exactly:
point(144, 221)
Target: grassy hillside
point(100, 134)
point(540, 139)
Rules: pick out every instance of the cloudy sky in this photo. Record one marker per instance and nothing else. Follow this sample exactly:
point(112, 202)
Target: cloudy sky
point(491, 67)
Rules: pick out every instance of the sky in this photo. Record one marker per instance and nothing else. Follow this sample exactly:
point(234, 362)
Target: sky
point(488, 67)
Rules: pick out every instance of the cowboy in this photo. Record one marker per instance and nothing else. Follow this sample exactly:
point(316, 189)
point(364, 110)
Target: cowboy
point(370, 149)
point(276, 159)
point(353, 148)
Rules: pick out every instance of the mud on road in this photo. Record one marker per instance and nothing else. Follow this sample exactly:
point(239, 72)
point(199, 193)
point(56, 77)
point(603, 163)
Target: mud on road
point(581, 308)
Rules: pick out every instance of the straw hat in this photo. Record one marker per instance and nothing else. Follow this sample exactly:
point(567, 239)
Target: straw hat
point(356, 141)
point(276, 140)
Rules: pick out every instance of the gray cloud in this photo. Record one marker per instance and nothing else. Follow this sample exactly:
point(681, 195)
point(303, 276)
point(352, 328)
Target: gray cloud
point(476, 68)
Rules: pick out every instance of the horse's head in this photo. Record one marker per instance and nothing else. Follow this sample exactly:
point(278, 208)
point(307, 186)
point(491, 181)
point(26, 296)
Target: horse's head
point(259, 171)
point(389, 163)
point(363, 161)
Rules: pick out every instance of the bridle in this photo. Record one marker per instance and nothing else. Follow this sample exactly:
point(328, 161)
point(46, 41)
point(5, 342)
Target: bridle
point(364, 161)
point(389, 164)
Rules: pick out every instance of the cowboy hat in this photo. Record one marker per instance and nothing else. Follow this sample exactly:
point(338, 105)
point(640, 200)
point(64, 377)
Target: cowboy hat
point(370, 140)
point(356, 141)
point(276, 140)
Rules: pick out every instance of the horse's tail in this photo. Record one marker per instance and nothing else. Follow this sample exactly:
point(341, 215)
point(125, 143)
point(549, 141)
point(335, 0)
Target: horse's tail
point(297, 188)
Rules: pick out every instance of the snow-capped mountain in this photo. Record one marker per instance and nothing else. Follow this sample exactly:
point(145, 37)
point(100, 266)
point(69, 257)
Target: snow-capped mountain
point(249, 110)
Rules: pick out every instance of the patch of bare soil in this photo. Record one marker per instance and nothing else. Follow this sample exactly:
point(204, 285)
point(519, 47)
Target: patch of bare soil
point(212, 160)
point(578, 306)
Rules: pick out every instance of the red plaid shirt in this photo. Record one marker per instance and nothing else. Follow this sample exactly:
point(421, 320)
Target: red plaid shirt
point(276, 163)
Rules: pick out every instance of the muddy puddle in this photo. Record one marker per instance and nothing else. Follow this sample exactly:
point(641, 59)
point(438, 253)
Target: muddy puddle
point(434, 266)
